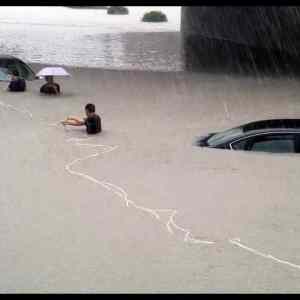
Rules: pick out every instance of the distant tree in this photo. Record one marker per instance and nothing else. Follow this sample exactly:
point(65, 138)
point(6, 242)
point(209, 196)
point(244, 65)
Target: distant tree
point(117, 10)
point(154, 16)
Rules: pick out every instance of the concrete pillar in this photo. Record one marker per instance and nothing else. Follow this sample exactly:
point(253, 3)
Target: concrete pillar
point(233, 37)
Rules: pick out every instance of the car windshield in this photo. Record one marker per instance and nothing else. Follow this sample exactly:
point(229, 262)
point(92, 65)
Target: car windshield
point(4, 74)
point(8, 65)
point(224, 136)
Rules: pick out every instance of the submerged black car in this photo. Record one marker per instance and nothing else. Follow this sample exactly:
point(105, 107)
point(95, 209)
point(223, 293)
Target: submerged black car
point(276, 136)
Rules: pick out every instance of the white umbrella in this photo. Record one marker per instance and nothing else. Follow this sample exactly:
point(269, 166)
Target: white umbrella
point(52, 71)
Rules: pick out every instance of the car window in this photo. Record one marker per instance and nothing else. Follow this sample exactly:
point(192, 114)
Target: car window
point(297, 142)
point(24, 71)
point(3, 63)
point(223, 137)
point(239, 145)
point(272, 143)
point(4, 74)
point(10, 66)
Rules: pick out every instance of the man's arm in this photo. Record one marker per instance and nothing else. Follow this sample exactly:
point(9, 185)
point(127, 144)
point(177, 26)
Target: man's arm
point(55, 89)
point(73, 122)
point(75, 119)
point(9, 86)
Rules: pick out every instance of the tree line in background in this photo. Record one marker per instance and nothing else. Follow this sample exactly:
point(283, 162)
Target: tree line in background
point(152, 16)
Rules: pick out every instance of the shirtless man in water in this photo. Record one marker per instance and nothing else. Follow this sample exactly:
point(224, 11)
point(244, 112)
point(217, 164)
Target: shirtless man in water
point(92, 121)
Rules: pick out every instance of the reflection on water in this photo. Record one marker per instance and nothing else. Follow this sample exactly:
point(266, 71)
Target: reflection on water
point(61, 35)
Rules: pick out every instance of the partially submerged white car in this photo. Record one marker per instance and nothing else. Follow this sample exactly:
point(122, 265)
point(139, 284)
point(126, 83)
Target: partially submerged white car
point(9, 63)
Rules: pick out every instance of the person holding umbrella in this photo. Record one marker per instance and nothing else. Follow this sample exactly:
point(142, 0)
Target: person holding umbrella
point(51, 87)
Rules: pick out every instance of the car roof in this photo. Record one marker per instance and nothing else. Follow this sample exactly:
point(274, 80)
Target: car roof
point(270, 130)
point(271, 124)
point(263, 126)
point(6, 56)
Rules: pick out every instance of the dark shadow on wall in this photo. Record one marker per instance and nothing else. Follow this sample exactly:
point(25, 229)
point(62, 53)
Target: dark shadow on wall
point(219, 56)
point(241, 39)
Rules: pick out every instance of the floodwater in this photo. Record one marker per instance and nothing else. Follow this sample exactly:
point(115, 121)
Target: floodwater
point(137, 218)
point(66, 223)
point(91, 38)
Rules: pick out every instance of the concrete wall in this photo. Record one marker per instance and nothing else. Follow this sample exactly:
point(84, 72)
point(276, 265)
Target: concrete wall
point(223, 28)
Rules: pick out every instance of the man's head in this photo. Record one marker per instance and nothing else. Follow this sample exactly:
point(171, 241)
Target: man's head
point(49, 79)
point(15, 73)
point(90, 109)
